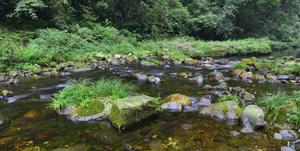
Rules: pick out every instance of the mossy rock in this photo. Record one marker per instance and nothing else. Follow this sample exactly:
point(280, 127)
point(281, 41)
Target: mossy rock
point(94, 107)
point(179, 99)
point(222, 110)
point(127, 111)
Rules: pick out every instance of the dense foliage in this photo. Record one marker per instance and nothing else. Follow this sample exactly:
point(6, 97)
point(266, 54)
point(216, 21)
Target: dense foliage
point(208, 19)
point(33, 50)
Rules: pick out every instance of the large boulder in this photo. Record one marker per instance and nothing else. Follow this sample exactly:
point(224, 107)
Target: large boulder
point(227, 110)
point(252, 118)
point(127, 111)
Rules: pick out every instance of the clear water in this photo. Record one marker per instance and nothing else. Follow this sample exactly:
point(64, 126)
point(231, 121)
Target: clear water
point(31, 125)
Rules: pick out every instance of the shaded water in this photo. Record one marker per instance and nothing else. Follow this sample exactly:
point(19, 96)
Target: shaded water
point(31, 125)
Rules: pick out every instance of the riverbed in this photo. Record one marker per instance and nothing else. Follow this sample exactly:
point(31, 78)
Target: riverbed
point(31, 125)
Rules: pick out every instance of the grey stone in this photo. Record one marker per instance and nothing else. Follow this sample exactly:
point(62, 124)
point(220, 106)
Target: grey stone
point(286, 148)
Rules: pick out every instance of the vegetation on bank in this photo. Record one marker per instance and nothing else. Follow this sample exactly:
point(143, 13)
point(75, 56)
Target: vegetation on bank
point(278, 66)
point(282, 108)
point(89, 98)
point(33, 50)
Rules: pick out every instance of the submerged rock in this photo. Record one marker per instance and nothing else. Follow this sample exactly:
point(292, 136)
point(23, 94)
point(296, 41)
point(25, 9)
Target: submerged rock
point(199, 79)
point(177, 102)
point(7, 93)
point(252, 118)
point(248, 97)
point(287, 148)
point(286, 135)
point(216, 75)
point(247, 75)
point(140, 76)
point(1, 119)
point(227, 110)
point(179, 99)
point(127, 111)
point(183, 75)
point(153, 79)
point(147, 63)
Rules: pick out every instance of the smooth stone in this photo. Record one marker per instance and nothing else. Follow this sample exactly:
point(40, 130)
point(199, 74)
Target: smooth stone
point(1, 119)
point(283, 77)
point(186, 126)
point(277, 136)
point(171, 106)
point(286, 148)
point(46, 97)
point(82, 70)
point(235, 133)
point(296, 144)
point(254, 116)
point(205, 101)
point(140, 76)
point(198, 79)
point(288, 135)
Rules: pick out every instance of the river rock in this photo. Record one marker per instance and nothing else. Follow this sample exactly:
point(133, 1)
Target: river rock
point(1, 119)
point(246, 75)
point(140, 76)
point(179, 99)
point(254, 116)
point(283, 77)
point(6, 93)
point(216, 75)
point(222, 110)
point(286, 135)
point(286, 148)
point(127, 111)
point(207, 87)
point(153, 79)
point(260, 78)
point(183, 75)
point(237, 72)
point(147, 63)
point(248, 97)
point(198, 79)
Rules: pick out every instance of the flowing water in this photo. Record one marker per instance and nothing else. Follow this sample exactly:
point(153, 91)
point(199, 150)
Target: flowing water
point(30, 125)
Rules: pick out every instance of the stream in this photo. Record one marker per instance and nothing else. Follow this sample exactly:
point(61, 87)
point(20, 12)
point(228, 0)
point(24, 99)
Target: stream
point(31, 125)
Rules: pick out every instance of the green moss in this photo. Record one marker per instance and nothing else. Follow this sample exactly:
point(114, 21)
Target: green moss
point(127, 111)
point(91, 107)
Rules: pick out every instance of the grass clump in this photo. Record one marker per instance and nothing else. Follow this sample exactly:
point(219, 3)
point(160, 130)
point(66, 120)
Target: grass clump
point(88, 95)
point(230, 97)
point(282, 108)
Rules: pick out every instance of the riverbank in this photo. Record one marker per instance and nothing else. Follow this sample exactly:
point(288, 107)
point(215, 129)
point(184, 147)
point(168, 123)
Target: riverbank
point(34, 50)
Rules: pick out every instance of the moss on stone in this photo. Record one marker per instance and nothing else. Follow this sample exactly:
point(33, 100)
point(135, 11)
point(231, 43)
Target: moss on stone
point(127, 111)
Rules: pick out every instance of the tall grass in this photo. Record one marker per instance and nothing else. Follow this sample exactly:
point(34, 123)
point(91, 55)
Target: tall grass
point(282, 108)
point(82, 93)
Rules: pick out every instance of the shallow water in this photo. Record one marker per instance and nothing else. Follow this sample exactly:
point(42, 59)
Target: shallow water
point(31, 125)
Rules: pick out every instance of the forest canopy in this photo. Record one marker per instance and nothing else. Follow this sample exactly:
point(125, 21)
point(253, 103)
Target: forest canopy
point(205, 19)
